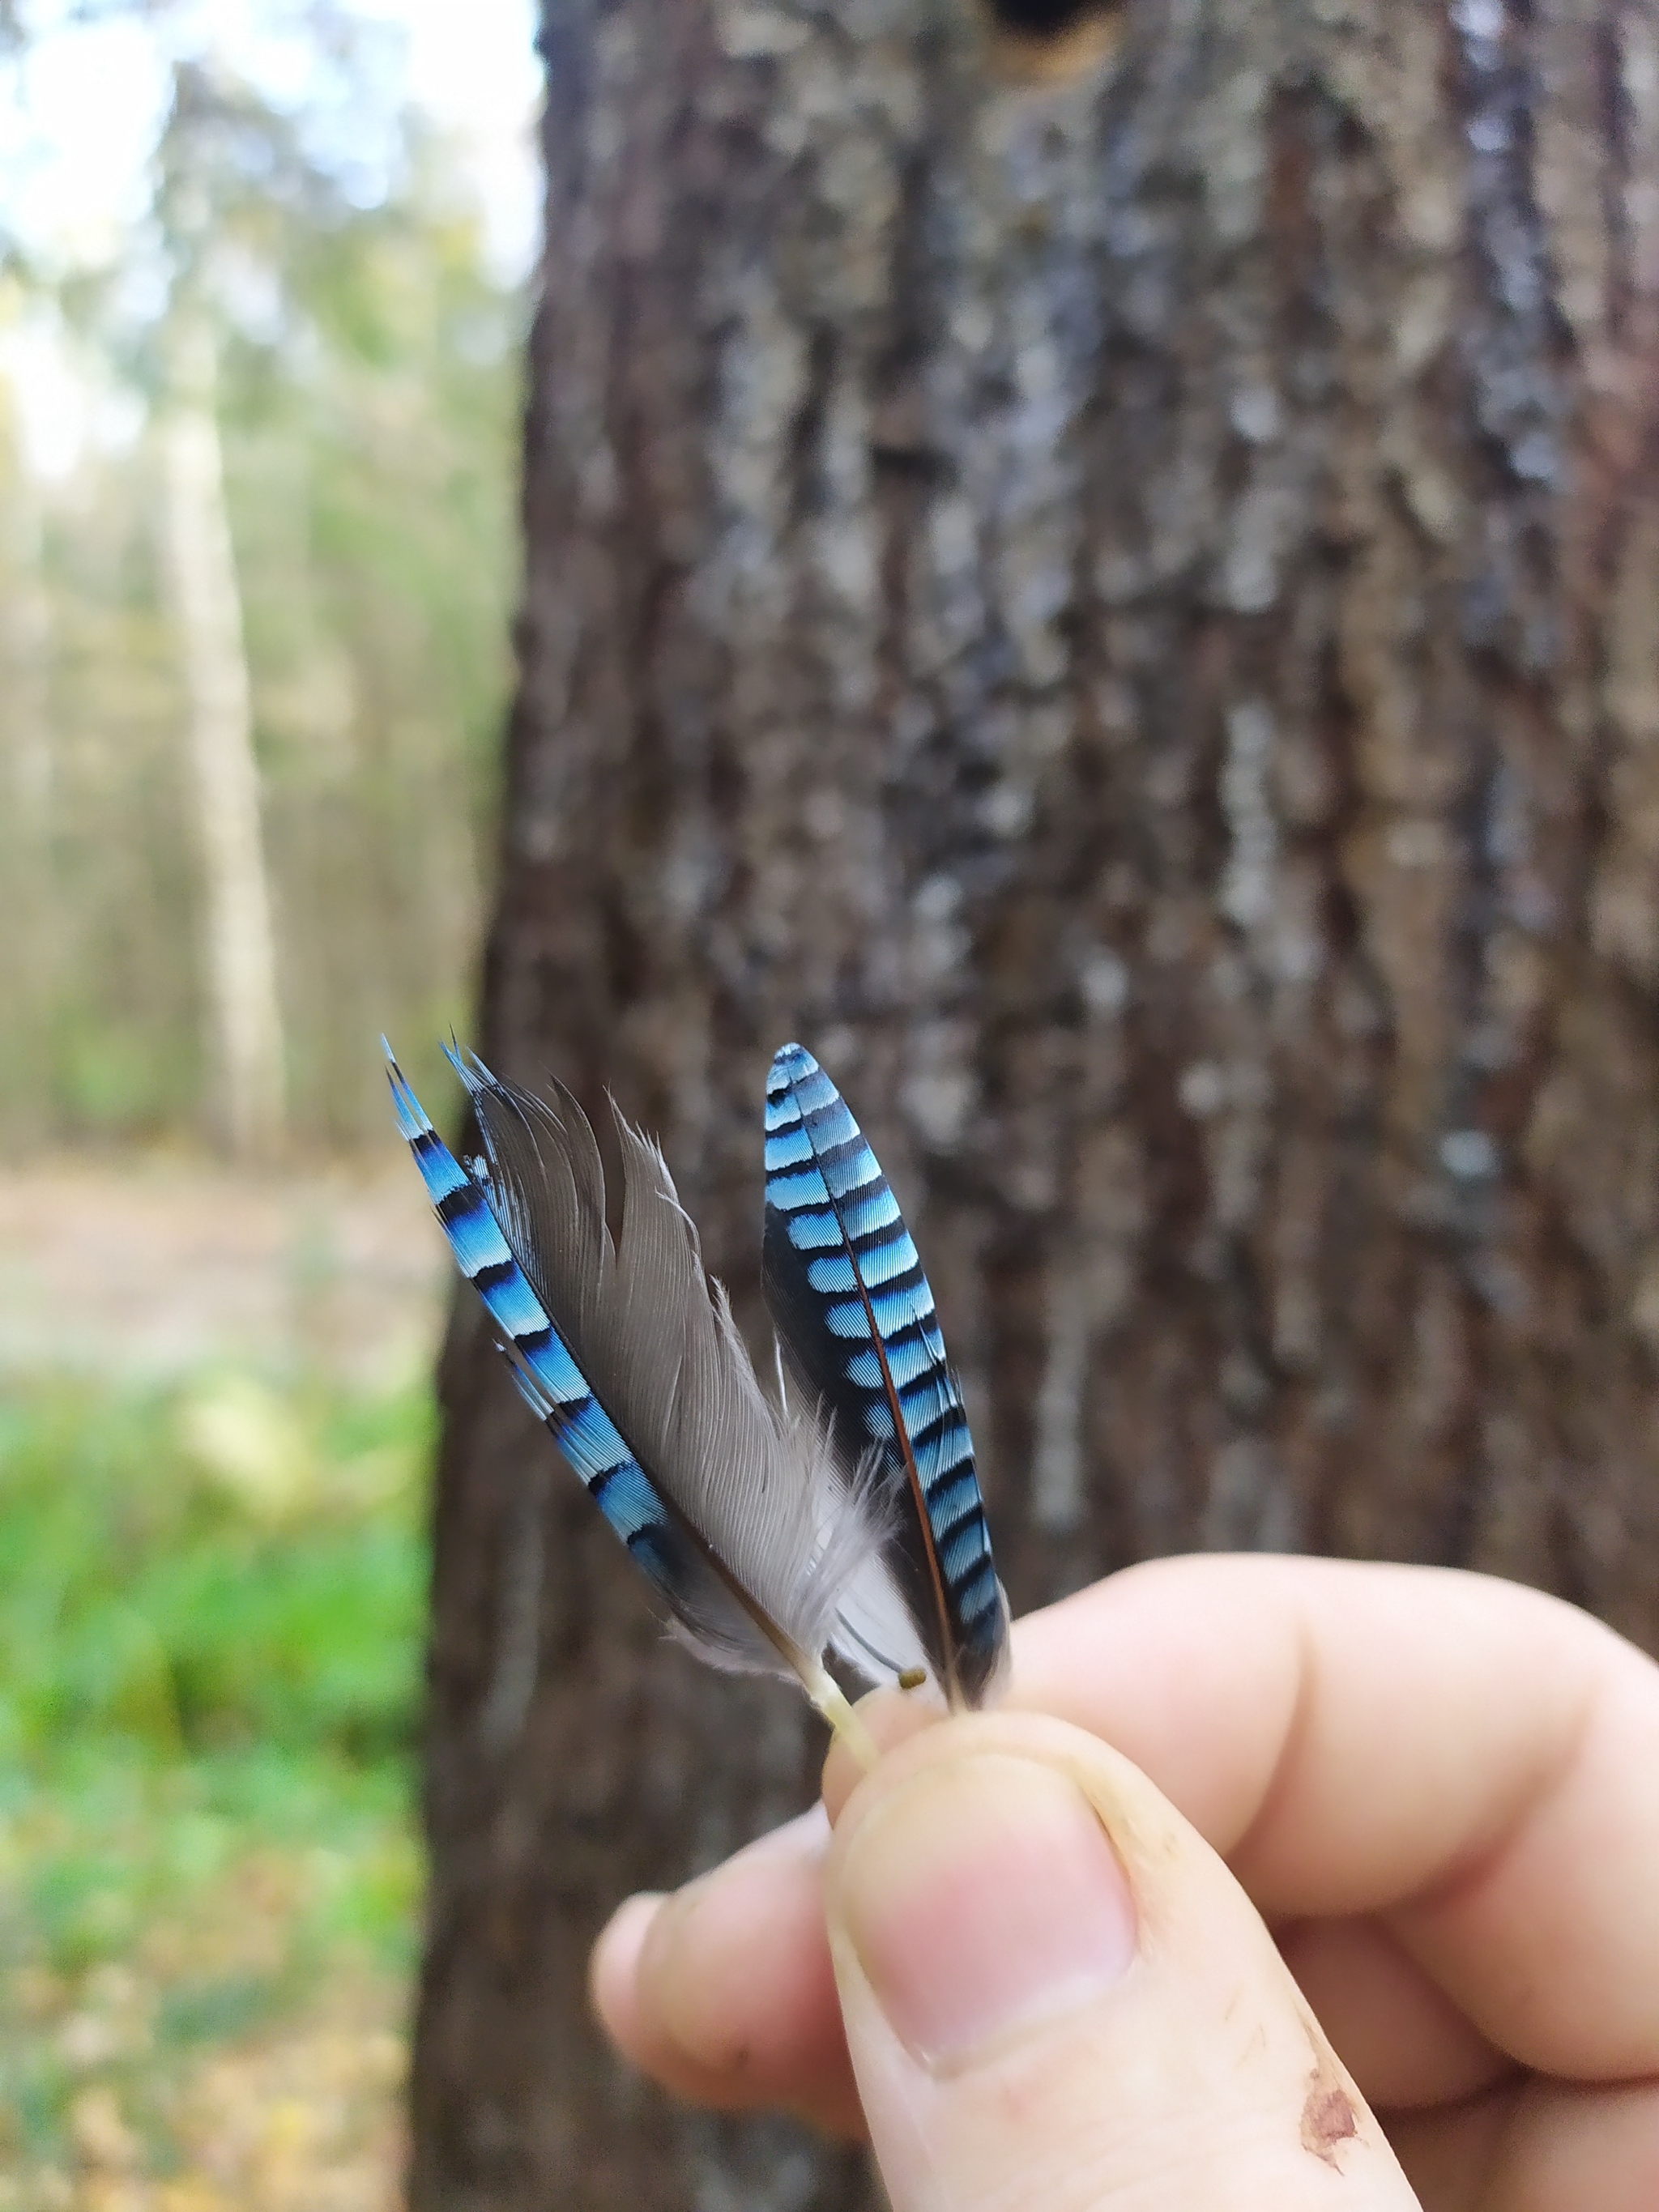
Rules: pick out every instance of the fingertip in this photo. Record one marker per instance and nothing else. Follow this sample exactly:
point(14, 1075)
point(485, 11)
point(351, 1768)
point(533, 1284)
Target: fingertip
point(722, 1991)
point(613, 1974)
point(981, 1888)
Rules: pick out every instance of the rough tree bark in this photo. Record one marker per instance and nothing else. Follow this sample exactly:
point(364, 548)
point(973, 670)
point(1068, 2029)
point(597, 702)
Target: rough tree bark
point(1121, 611)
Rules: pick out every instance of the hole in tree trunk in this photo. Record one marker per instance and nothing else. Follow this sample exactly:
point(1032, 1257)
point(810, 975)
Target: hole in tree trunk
point(1049, 41)
point(1041, 19)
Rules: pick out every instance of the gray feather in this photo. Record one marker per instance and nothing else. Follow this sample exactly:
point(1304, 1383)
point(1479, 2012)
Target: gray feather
point(793, 1542)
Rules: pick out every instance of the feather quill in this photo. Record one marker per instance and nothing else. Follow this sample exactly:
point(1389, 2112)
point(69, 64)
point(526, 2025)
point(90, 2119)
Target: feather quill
point(755, 1536)
point(856, 1320)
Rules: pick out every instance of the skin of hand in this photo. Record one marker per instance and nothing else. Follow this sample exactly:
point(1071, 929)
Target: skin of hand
point(1276, 1882)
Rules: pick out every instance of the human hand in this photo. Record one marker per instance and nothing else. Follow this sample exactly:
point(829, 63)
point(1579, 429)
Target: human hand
point(1439, 1793)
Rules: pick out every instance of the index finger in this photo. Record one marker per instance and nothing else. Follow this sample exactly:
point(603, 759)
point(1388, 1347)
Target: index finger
point(1473, 1761)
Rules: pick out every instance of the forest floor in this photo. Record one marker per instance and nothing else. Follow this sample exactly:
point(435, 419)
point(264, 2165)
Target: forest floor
point(215, 1430)
point(156, 1267)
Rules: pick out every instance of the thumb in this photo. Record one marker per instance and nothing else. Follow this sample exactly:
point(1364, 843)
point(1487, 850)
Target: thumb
point(1056, 1996)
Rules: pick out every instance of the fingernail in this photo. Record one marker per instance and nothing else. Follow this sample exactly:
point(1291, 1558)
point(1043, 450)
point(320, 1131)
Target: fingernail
point(982, 1897)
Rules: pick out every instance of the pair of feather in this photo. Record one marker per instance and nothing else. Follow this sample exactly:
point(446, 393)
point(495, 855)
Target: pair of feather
point(851, 1526)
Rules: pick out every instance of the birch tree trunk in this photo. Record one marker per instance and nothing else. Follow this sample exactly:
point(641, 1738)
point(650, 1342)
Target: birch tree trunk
point(239, 947)
point(1121, 611)
point(27, 915)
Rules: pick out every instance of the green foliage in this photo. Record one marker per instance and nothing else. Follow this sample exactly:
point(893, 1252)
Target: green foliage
point(160, 1586)
point(210, 1615)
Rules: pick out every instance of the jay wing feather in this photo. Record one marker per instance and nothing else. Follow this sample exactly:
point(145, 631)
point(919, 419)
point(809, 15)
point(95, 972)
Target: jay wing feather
point(750, 1532)
point(852, 1309)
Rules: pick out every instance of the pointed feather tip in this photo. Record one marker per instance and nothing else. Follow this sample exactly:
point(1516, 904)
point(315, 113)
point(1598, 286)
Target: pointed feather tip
point(457, 1058)
point(789, 1063)
point(475, 1076)
point(412, 1121)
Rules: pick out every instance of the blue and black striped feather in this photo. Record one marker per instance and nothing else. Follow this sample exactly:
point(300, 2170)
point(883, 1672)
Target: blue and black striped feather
point(752, 1535)
point(852, 1309)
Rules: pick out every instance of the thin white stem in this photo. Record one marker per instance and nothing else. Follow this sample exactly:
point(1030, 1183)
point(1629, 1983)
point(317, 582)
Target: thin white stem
point(829, 1699)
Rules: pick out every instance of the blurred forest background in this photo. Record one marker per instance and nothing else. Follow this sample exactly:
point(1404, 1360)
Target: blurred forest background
point(262, 299)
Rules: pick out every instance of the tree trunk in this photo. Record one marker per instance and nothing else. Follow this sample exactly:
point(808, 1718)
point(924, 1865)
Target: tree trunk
point(28, 917)
point(1121, 611)
point(240, 954)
